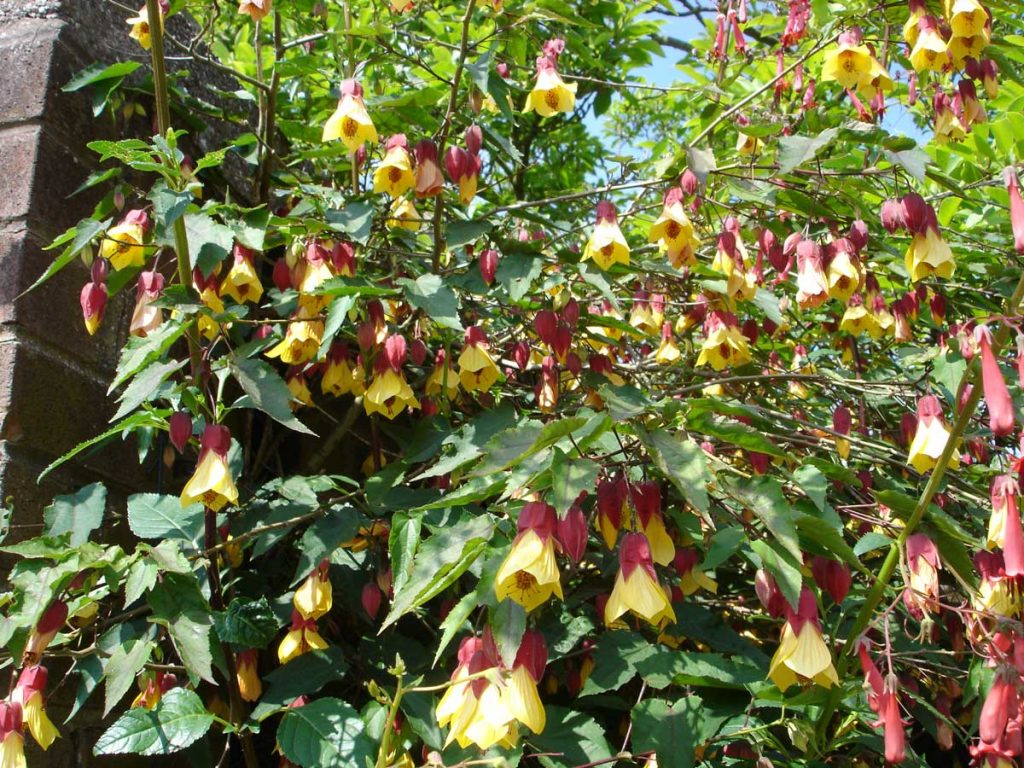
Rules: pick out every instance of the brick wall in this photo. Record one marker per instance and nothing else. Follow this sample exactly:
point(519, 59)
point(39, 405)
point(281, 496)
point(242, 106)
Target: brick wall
point(53, 375)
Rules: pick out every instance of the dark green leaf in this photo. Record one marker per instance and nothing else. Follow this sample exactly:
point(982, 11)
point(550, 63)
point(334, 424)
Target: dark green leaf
point(305, 675)
point(326, 733)
point(570, 738)
point(94, 73)
point(355, 220)
point(267, 391)
point(155, 516)
point(763, 496)
point(682, 462)
point(673, 730)
point(177, 721)
point(796, 150)
point(209, 242)
point(79, 513)
point(437, 300)
point(246, 624)
point(121, 669)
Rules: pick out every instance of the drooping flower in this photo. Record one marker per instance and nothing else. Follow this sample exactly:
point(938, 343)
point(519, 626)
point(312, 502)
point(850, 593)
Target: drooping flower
point(341, 376)
point(404, 215)
point(464, 165)
point(550, 94)
point(571, 533)
point(242, 283)
point(140, 31)
point(668, 351)
point(832, 577)
point(250, 687)
point(724, 344)
point(443, 378)
point(389, 393)
point(301, 340)
point(257, 10)
point(211, 484)
point(844, 272)
point(928, 253)
point(917, 10)
point(350, 122)
point(314, 597)
point(637, 589)
point(122, 245)
point(948, 125)
point(930, 52)
point(646, 502)
point(394, 175)
point(674, 232)
point(529, 575)
point(692, 578)
point(546, 391)
point(812, 283)
point(476, 709)
point(606, 245)
point(210, 299)
point(521, 695)
point(477, 370)
point(858, 319)
point(29, 694)
point(152, 687)
point(12, 738)
point(850, 63)
point(93, 301)
point(302, 637)
point(997, 396)
point(146, 318)
point(802, 653)
point(931, 437)
point(967, 18)
point(49, 624)
point(922, 593)
point(429, 181)
point(1016, 208)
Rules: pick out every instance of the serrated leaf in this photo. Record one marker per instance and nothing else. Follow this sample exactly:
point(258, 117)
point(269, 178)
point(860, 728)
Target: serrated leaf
point(673, 730)
point(79, 513)
point(430, 294)
point(508, 624)
point(209, 242)
point(339, 524)
point(144, 387)
point(781, 565)
point(440, 560)
point(355, 220)
point(169, 205)
point(570, 738)
point(178, 603)
point(763, 496)
point(80, 236)
point(138, 352)
point(570, 477)
point(246, 624)
point(267, 391)
point(684, 463)
point(136, 420)
point(121, 669)
point(326, 733)
point(156, 516)
point(141, 578)
point(180, 719)
point(305, 675)
point(796, 150)
point(702, 162)
point(94, 73)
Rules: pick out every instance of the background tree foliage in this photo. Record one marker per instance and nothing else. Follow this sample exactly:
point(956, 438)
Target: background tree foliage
point(340, 556)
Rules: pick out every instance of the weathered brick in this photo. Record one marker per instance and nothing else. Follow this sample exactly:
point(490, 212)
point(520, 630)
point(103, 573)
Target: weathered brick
point(26, 52)
point(18, 159)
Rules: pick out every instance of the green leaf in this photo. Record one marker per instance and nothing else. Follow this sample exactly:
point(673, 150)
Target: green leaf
point(783, 567)
point(673, 730)
point(459, 233)
point(246, 624)
point(179, 720)
point(827, 537)
point(796, 150)
point(209, 242)
point(136, 420)
point(403, 541)
point(871, 541)
point(913, 161)
point(440, 560)
point(121, 669)
point(340, 523)
point(326, 733)
point(141, 578)
point(305, 675)
point(813, 483)
point(724, 544)
point(267, 391)
point(508, 624)
point(180, 606)
point(615, 658)
point(156, 516)
point(168, 205)
point(684, 463)
point(94, 73)
point(437, 300)
point(484, 77)
point(355, 220)
point(80, 236)
point(337, 315)
point(79, 513)
point(144, 387)
point(570, 738)
point(569, 478)
point(763, 496)
point(251, 229)
point(701, 162)
point(663, 667)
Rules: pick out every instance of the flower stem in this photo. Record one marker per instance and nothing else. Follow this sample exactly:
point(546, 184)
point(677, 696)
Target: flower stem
point(163, 121)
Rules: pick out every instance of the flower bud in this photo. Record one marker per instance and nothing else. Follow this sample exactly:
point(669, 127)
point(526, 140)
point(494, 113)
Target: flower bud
point(571, 533)
point(180, 428)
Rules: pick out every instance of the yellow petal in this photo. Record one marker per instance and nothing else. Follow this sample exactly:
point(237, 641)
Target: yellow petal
point(523, 701)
